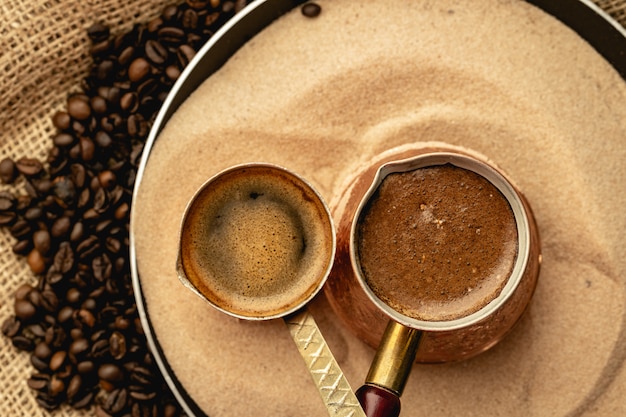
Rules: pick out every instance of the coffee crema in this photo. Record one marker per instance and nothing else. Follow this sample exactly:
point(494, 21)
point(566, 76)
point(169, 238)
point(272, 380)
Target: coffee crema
point(257, 241)
point(437, 243)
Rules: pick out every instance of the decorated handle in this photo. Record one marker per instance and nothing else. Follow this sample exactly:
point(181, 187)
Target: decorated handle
point(389, 371)
point(333, 386)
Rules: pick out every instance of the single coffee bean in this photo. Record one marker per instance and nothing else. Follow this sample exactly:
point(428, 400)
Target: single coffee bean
point(57, 360)
point(87, 148)
point(63, 191)
point(77, 232)
point(98, 104)
point(8, 171)
point(29, 166)
point(102, 139)
point(56, 386)
point(11, 326)
point(116, 401)
point(21, 229)
point(60, 227)
point(74, 386)
point(98, 32)
point(22, 343)
point(21, 293)
point(138, 69)
point(185, 54)
point(42, 350)
point(107, 179)
point(61, 120)
point(38, 381)
point(24, 310)
point(33, 213)
point(41, 240)
point(36, 262)
point(78, 107)
point(78, 347)
point(63, 140)
point(311, 9)
point(156, 52)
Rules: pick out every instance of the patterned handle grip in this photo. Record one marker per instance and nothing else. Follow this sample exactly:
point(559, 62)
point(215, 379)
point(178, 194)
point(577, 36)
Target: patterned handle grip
point(335, 390)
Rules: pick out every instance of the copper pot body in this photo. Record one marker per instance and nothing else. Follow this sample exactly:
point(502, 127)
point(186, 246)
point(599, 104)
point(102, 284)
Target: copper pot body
point(368, 320)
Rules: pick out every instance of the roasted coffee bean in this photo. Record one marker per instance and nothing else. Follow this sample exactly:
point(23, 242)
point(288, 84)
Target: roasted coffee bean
point(23, 343)
point(74, 386)
point(87, 148)
point(78, 107)
point(116, 401)
point(138, 69)
point(185, 54)
point(24, 310)
point(41, 240)
point(42, 350)
point(190, 19)
point(98, 104)
point(64, 191)
point(61, 120)
point(311, 9)
point(36, 262)
point(56, 386)
point(38, 381)
point(77, 232)
point(86, 367)
point(60, 227)
point(39, 364)
point(8, 171)
point(78, 347)
point(111, 373)
point(57, 360)
point(107, 179)
point(21, 228)
point(98, 32)
point(85, 317)
point(117, 345)
point(7, 201)
point(73, 295)
point(156, 52)
point(49, 301)
point(171, 35)
point(63, 140)
point(11, 326)
point(29, 166)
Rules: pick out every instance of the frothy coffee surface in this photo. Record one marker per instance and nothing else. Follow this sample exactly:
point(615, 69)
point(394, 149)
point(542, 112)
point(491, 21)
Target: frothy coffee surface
point(437, 243)
point(257, 243)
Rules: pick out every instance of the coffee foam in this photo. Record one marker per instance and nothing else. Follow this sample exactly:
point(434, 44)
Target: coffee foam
point(437, 243)
point(258, 242)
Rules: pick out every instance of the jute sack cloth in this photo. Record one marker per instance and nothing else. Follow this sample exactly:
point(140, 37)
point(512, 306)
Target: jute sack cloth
point(44, 55)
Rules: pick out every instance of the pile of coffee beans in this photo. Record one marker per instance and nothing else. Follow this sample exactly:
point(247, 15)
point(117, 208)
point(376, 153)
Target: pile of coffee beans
point(70, 221)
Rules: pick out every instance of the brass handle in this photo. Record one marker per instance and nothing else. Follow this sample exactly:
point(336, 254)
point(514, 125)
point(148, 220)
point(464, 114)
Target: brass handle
point(332, 385)
point(389, 371)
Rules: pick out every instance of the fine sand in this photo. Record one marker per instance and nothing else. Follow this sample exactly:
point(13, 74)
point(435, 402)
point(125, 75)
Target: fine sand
point(321, 97)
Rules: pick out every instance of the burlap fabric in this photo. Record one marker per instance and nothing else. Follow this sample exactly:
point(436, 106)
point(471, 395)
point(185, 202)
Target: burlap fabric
point(44, 54)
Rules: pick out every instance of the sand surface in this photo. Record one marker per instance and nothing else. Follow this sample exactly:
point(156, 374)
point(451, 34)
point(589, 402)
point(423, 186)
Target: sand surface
point(321, 97)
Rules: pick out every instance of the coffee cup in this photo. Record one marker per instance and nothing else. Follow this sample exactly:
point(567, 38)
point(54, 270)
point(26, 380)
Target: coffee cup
point(257, 242)
point(438, 256)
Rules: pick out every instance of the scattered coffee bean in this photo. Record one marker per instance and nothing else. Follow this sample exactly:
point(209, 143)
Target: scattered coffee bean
point(311, 9)
point(8, 171)
point(78, 107)
point(29, 166)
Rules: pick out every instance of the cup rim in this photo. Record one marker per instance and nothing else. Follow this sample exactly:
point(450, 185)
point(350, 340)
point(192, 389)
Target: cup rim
point(496, 178)
point(275, 313)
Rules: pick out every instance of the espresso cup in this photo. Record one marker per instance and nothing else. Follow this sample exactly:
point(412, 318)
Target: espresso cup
point(256, 242)
point(446, 334)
